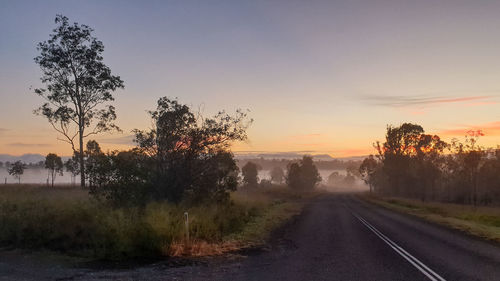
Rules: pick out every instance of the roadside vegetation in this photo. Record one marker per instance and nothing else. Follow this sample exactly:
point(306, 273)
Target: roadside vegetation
point(479, 221)
point(70, 221)
point(414, 165)
point(456, 184)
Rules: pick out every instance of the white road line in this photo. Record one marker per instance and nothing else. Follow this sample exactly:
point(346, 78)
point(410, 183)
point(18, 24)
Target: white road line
point(411, 259)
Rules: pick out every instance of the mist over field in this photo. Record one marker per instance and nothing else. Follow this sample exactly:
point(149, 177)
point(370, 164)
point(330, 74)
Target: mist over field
point(40, 176)
point(34, 175)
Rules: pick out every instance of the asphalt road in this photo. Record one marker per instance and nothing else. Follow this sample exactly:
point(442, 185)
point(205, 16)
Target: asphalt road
point(337, 237)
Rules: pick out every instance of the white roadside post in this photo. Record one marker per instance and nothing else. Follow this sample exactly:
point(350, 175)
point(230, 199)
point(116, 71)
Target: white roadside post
point(186, 224)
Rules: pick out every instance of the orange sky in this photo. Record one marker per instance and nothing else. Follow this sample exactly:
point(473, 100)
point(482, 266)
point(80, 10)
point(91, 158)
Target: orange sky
point(317, 77)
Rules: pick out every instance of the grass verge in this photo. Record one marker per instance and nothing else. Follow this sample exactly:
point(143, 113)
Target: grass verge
point(483, 222)
point(67, 220)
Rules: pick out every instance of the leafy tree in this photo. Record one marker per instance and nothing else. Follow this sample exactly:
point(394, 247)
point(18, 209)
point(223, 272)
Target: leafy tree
point(294, 176)
point(303, 175)
point(489, 177)
point(250, 174)
point(72, 165)
point(1, 164)
point(127, 179)
point(97, 164)
point(17, 170)
point(334, 178)
point(353, 170)
point(54, 165)
point(396, 154)
point(277, 175)
point(466, 163)
point(189, 155)
point(310, 174)
point(366, 170)
point(78, 85)
point(411, 163)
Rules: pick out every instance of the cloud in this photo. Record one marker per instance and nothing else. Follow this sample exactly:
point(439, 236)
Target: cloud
point(488, 129)
point(128, 140)
point(3, 130)
point(402, 101)
point(22, 144)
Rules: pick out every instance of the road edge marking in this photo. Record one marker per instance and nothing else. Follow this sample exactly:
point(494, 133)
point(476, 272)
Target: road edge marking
point(398, 249)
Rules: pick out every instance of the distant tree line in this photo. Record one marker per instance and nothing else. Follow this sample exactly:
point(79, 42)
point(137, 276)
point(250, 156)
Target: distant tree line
point(269, 164)
point(300, 175)
point(413, 164)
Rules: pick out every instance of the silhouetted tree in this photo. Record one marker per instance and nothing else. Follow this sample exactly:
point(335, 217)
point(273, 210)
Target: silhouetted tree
point(17, 170)
point(77, 85)
point(464, 166)
point(334, 178)
point(54, 165)
point(250, 174)
point(294, 176)
point(1, 164)
point(366, 170)
point(190, 155)
point(489, 177)
point(72, 165)
point(127, 179)
point(303, 175)
point(277, 175)
point(310, 174)
point(97, 164)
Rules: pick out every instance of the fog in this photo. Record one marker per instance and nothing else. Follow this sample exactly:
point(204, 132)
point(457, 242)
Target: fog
point(39, 176)
point(33, 175)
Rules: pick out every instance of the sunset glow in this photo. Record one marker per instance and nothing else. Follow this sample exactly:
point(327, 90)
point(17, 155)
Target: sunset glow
point(317, 77)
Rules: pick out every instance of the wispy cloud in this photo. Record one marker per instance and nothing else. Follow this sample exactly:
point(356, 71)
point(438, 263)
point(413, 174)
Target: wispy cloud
point(489, 129)
point(421, 100)
point(3, 130)
point(128, 140)
point(22, 144)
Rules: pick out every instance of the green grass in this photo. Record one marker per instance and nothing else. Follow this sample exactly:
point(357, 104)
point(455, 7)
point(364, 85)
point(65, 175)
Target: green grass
point(67, 220)
point(480, 221)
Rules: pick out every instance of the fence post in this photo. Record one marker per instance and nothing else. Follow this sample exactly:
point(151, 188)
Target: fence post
point(186, 224)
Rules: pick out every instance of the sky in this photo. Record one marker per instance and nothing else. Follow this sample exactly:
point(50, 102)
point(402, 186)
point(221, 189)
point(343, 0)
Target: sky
point(319, 77)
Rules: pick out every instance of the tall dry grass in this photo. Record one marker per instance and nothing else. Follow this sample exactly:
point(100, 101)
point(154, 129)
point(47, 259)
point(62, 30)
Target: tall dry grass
point(68, 220)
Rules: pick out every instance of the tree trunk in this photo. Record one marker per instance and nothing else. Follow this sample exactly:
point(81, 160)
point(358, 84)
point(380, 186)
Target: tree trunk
point(82, 164)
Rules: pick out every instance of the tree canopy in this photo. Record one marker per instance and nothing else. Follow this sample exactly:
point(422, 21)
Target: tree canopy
point(303, 175)
point(250, 174)
point(54, 165)
point(78, 85)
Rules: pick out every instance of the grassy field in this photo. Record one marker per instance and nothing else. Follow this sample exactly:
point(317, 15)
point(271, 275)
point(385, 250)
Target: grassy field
point(481, 221)
point(67, 220)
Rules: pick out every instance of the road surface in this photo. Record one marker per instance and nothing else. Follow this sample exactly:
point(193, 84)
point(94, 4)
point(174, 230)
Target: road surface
point(337, 237)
